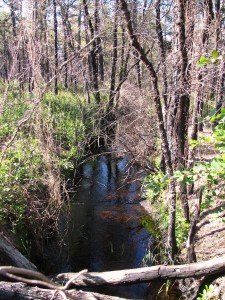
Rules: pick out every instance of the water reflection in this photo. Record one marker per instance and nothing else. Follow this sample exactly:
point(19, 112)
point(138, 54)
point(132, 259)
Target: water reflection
point(105, 232)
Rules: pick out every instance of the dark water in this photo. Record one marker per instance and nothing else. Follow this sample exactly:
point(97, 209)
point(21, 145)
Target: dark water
point(105, 232)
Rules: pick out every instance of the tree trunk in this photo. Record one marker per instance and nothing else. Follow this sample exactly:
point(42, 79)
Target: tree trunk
point(178, 109)
point(162, 55)
point(93, 56)
point(98, 41)
point(191, 257)
point(135, 53)
point(13, 17)
point(171, 241)
point(56, 47)
point(123, 63)
point(114, 64)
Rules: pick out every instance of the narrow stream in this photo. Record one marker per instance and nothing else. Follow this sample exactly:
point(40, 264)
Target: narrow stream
point(105, 232)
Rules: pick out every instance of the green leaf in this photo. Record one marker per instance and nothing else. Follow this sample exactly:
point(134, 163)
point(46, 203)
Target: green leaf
point(213, 119)
point(215, 54)
point(203, 61)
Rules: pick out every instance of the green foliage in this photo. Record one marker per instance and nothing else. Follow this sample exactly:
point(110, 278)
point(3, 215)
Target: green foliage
point(211, 173)
point(151, 225)
point(20, 166)
point(182, 228)
point(204, 61)
point(14, 109)
point(207, 293)
point(70, 120)
point(155, 185)
point(23, 168)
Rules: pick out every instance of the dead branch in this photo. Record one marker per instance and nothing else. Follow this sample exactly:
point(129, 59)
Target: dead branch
point(199, 269)
point(16, 291)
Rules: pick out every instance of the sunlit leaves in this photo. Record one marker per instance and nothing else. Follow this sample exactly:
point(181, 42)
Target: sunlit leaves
point(204, 60)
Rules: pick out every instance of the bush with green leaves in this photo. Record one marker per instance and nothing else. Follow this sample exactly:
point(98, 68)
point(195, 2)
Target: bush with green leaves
point(210, 174)
point(155, 185)
point(155, 191)
point(209, 292)
point(21, 168)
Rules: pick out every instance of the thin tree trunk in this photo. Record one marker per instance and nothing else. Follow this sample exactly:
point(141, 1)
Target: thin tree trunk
point(56, 47)
point(98, 41)
point(13, 17)
point(162, 55)
point(66, 65)
point(79, 30)
point(93, 57)
point(123, 63)
point(191, 257)
point(135, 53)
point(114, 64)
point(109, 119)
point(171, 241)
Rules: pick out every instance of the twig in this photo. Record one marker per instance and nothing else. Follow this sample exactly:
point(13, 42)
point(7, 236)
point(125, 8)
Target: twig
point(40, 279)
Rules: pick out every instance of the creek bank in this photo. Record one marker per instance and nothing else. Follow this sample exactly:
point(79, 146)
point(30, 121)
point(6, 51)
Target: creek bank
point(208, 244)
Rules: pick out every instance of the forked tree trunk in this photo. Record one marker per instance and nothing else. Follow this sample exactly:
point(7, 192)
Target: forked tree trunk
point(171, 241)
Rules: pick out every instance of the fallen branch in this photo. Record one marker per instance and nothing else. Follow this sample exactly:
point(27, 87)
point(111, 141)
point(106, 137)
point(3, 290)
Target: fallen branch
point(83, 279)
point(11, 256)
point(21, 289)
point(9, 291)
point(213, 266)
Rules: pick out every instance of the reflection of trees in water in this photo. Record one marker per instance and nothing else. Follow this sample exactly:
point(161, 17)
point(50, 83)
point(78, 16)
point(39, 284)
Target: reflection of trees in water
point(102, 237)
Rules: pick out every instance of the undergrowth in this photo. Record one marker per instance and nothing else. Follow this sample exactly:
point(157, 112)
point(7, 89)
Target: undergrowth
point(209, 174)
point(38, 153)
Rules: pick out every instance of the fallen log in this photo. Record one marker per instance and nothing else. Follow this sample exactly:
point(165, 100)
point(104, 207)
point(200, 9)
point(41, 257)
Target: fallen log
point(9, 255)
point(213, 266)
point(21, 291)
